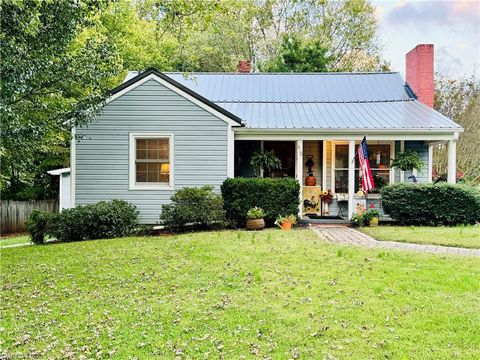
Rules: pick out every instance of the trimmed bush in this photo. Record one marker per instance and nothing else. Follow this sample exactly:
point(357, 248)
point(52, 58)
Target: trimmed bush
point(106, 219)
point(276, 196)
point(429, 204)
point(194, 208)
point(37, 224)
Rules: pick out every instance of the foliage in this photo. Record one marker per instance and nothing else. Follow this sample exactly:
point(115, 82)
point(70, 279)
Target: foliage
point(194, 208)
point(459, 99)
point(274, 195)
point(364, 218)
point(429, 204)
point(282, 219)
point(55, 73)
point(265, 160)
point(407, 160)
point(37, 224)
point(219, 277)
point(103, 220)
point(255, 213)
point(299, 55)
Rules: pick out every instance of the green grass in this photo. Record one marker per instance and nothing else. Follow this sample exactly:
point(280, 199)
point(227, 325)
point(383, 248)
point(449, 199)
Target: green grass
point(460, 236)
point(235, 295)
point(14, 240)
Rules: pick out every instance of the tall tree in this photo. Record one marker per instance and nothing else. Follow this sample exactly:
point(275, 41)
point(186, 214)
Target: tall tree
point(54, 74)
point(459, 99)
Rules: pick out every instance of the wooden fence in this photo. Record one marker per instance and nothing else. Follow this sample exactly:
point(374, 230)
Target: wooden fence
point(13, 214)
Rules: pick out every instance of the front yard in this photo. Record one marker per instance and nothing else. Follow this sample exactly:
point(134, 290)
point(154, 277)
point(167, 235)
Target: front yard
point(236, 294)
point(459, 236)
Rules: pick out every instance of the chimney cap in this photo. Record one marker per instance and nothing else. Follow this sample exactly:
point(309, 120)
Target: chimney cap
point(244, 66)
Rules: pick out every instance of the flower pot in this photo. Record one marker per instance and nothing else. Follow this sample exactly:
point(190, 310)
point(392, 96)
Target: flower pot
point(374, 221)
point(310, 180)
point(255, 224)
point(286, 225)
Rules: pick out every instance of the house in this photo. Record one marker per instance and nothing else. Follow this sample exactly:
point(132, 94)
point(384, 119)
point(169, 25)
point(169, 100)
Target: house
point(159, 132)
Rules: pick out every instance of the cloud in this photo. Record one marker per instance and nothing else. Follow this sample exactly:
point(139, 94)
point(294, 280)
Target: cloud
point(446, 62)
point(457, 13)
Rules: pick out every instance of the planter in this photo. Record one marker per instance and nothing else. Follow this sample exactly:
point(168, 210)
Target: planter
point(374, 221)
point(286, 225)
point(310, 180)
point(255, 224)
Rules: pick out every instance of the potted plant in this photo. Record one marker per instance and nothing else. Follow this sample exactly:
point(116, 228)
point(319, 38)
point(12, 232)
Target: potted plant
point(286, 222)
point(407, 160)
point(265, 160)
point(255, 219)
point(372, 217)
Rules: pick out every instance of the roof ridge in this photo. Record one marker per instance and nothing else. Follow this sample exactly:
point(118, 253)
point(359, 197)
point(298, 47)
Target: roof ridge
point(283, 73)
point(310, 101)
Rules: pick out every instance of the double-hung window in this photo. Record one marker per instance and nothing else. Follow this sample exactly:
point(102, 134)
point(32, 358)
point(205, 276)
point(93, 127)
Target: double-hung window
point(151, 165)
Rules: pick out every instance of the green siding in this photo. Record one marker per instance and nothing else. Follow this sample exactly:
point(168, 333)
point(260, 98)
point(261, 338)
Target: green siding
point(200, 148)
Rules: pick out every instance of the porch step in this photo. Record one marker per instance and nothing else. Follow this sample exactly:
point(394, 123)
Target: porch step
point(336, 222)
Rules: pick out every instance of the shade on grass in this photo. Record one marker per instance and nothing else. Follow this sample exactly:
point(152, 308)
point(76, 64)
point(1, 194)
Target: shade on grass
point(459, 236)
point(207, 295)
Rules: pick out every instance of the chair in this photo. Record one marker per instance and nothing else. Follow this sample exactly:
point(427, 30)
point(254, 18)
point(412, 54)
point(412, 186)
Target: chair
point(342, 202)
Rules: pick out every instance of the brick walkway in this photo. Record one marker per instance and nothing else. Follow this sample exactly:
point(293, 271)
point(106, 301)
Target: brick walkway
point(348, 236)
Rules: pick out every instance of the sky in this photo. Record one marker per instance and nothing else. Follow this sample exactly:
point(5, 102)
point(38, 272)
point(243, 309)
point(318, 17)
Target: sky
point(452, 26)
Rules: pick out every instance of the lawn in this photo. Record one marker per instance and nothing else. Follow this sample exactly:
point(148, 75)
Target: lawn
point(236, 295)
point(460, 236)
point(14, 240)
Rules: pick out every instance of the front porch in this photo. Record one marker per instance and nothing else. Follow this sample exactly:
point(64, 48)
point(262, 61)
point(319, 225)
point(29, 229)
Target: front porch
point(332, 167)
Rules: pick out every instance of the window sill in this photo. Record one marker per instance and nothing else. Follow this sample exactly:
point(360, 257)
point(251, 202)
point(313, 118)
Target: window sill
point(150, 187)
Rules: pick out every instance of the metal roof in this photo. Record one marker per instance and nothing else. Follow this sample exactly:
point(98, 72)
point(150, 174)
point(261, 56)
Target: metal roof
point(377, 100)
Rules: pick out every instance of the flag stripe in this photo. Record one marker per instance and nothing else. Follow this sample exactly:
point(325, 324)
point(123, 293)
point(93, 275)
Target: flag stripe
point(364, 164)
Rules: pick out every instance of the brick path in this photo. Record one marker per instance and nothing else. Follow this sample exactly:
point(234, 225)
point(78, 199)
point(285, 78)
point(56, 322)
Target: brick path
point(348, 236)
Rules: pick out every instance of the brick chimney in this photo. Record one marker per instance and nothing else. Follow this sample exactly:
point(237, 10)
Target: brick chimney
point(419, 71)
point(244, 66)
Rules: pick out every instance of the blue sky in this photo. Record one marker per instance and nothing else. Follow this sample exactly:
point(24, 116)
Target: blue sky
point(452, 26)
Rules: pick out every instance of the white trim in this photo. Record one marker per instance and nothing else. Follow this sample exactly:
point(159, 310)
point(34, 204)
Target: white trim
point(179, 92)
point(132, 185)
point(299, 170)
point(73, 164)
point(230, 152)
point(391, 179)
point(430, 163)
point(262, 149)
point(402, 149)
point(242, 134)
point(453, 132)
point(58, 171)
point(351, 177)
point(324, 165)
point(452, 162)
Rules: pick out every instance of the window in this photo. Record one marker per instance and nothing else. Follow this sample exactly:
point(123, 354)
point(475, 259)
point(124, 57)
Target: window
point(379, 156)
point(150, 161)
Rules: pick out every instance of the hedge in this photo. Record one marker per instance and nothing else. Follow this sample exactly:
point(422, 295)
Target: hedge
point(276, 196)
point(193, 208)
point(432, 204)
point(105, 219)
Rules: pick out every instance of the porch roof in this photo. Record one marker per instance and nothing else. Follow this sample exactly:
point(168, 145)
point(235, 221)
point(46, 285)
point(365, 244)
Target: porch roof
point(351, 101)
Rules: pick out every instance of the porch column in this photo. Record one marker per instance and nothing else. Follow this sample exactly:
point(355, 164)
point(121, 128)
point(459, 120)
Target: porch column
point(351, 176)
point(299, 171)
point(430, 163)
point(452, 160)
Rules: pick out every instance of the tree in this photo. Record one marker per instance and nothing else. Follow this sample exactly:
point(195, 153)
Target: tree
point(459, 99)
point(54, 74)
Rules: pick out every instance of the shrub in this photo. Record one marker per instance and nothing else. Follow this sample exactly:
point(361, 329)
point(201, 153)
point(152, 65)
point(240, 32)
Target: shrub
point(275, 196)
point(364, 218)
point(255, 213)
point(37, 224)
point(106, 219)
point(432, 204)
point(195, 208)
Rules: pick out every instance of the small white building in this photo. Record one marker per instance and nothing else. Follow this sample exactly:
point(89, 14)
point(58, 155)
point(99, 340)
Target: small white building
point(64, 191)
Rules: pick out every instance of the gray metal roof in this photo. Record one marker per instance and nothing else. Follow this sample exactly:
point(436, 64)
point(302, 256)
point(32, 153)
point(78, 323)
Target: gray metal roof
point(317, 100)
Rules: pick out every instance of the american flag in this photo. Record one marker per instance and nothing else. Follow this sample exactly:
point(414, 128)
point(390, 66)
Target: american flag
point(365, 172)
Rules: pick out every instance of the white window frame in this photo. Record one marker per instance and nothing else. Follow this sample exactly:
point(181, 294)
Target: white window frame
point(357, 143)
point(132, 184)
